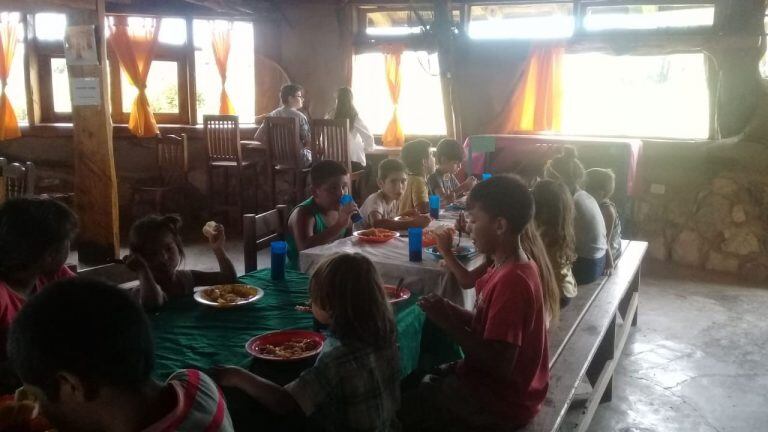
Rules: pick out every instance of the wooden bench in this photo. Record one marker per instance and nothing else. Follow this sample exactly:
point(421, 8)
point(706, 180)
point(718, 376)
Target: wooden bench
point(588, 341)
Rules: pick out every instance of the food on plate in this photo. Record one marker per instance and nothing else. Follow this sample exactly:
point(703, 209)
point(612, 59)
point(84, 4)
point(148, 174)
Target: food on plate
point(379, 233)
point(229, 294)
point(303, 308)
point(296, 347)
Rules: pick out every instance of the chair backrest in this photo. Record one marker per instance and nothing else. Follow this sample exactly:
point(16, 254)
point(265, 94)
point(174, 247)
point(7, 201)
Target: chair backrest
point(329, 141)
point(222, 136)
point(283, 140)
point(261, 230)
point(19, 180)
point(172, 159)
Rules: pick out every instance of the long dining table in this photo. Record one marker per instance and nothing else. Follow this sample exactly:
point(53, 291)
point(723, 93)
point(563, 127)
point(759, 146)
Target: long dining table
point(392, 261)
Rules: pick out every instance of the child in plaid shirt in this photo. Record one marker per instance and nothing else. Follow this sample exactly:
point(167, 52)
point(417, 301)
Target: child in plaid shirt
point(355, 382)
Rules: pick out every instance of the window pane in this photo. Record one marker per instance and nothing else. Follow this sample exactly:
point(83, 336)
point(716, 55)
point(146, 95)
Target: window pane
point(16, 89)
point(241, 77)
point(643, 96)
point(421, 97)
point(61, 100)
point(527, 21)
point(162, 88)
point(394, 23)
point(50, 26)
point(644, 17)
point(764, 60)
point(173, 31)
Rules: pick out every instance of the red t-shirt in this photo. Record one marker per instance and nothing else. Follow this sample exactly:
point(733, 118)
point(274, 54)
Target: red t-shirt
point(11, 303)
point(510, 308)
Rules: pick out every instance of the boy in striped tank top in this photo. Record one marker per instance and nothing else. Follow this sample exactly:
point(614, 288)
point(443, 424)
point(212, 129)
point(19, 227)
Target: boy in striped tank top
point(84, 349)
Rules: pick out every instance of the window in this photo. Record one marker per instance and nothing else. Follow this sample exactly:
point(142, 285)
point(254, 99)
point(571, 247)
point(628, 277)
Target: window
point(55, 103)
point(62, 103)
point(16, 89)
point(50, 26)
point(162, 88)
point(643, 96)
point(401, 22)
point(647, 17)
point(521, 21)
point(421, 97)
point(241, 83)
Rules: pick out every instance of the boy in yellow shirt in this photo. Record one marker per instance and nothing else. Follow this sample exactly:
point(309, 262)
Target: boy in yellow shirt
point(415, 156)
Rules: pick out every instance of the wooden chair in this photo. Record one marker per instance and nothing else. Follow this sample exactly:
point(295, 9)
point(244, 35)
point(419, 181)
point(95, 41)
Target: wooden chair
point(19, 180)
point(261, 230)
point(285, 155)
point(222, 134)
point(330, 141)
point(172, 165)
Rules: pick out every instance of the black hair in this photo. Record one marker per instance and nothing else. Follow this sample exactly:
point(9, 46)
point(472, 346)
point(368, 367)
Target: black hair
point(345, 109)
point(388, 167)
point(504, 196)
point(566, 168)
point(324, 171)
point(349, 288)
point(289, 90)
point(29, 228)
point(85, 327)
point(414, 153)
point(149, 228)
point(449, 150)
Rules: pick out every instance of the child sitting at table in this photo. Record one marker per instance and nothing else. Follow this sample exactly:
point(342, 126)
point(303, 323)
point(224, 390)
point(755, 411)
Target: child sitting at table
point(591, 241)
point(554, 220)
point(600, 183)
point(156, 252)
point(503, 379)
point(415, 156)
point(382, 207)
point(355, 382)
point(84, 347)
point(449, 155)
point(35, 234)
point(321, 219)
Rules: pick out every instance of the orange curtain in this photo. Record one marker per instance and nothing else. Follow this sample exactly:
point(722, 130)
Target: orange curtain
point(9, 126)
point(135, 46)
point(393, 136)
point(221, 38)
point(537, 102)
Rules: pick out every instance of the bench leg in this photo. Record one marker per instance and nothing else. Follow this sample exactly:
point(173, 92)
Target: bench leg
point(603, 355)
point(634, 287)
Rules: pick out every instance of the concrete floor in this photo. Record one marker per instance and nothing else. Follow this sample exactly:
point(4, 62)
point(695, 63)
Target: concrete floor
point(696, 361)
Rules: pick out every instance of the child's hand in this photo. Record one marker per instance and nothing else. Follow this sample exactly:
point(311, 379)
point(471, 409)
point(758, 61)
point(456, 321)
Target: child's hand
point(609, 264)
point(217, 237)
point(421, 220)
point(136, 263)
point(461, 223)
point(436, 309)
point(346, 211)
point(410, 213)
point(444, 239)
point(227, 376)
point(469, 183)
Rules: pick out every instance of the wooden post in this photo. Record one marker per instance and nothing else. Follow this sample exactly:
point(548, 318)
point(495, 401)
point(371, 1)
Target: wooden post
point(95, 180)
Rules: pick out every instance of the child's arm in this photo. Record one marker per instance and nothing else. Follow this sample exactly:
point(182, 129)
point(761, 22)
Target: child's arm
point(150, 294)
point(420, 196)
point(376, 220)
point(496, 357)
point(609, 217)
point(276, 398)
point(227, 272)
point(465, 277)
point(303, 227)
point(468, 184)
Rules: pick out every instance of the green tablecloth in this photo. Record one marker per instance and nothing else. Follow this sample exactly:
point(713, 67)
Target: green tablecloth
point(190, 335)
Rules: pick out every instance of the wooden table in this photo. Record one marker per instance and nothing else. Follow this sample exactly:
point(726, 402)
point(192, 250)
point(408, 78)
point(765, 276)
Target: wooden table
point(391, 260)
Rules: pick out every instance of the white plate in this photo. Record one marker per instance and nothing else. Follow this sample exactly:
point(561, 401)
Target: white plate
point(202, 300)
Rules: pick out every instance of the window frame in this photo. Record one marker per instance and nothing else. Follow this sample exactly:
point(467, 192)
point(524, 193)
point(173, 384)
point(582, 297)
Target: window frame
point(47, 51)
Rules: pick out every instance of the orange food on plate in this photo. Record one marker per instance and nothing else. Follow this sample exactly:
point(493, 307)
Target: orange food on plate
point(377, 233)
point(293, 348)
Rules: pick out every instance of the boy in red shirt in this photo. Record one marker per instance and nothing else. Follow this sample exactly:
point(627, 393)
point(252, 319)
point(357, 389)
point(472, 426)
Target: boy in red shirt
point(504, 376)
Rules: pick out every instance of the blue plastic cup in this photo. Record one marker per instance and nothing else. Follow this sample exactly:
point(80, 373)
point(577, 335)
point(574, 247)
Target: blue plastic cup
point(279, 251)
point(414, 244)
point(486, 176)
point(346, 199)
point(434, 206)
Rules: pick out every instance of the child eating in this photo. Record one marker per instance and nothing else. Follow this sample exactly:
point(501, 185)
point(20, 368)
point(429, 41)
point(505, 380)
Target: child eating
point(98, 377)
point(503, 379)
point(321, 219)
point(415, 156)
point(355, 382)
point(600, 183)
point(381, 208)
point(443, 182)
point(35, 235)
point(156, 252)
